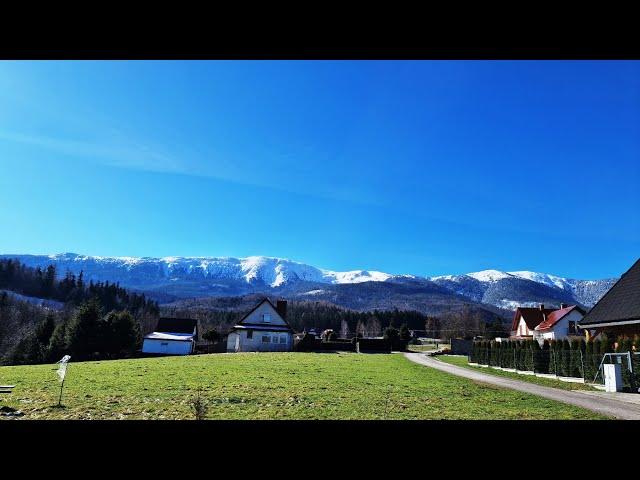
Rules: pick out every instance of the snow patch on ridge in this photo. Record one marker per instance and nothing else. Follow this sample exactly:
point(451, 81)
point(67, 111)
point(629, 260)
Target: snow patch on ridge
point(356, 276)
point(489, 275)
point(545, 278)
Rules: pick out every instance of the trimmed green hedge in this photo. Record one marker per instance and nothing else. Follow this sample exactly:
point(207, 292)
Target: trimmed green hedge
point(575, 358)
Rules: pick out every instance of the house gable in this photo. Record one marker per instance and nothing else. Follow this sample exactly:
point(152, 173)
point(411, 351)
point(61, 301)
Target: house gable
point(522, 328)
point(264, 315)
point(532, 317)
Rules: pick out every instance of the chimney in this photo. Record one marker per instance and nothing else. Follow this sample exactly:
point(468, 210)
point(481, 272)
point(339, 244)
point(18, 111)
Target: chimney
point(563, 305)
point(281, 308)
point(541, 306)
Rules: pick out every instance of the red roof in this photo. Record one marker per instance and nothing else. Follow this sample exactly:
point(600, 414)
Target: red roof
point(556, 316)
point(533, 317)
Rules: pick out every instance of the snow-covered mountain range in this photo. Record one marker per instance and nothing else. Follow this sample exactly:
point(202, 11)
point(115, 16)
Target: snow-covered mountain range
point(183, 277)
point(523, 288)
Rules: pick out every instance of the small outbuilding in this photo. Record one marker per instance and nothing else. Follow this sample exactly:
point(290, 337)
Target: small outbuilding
point(263, 329)
point(172, 336)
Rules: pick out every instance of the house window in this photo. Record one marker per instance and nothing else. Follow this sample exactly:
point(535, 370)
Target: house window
point(266, 339)
point(283, 339)
point(572, 327)
point(164, 344)
point(266, 317)
point(249, 333)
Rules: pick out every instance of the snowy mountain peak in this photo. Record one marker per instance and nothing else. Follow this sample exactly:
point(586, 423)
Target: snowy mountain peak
point(489, 275)
point(228, 276)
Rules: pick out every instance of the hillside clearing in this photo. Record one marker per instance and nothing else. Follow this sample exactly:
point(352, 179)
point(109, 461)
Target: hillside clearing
point(269, 386)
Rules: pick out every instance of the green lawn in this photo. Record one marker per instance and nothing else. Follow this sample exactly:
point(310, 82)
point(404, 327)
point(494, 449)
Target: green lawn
point(547, 382)
point(269, 386)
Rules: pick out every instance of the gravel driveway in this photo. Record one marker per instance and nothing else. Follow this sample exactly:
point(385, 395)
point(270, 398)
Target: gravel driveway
point(617, 405)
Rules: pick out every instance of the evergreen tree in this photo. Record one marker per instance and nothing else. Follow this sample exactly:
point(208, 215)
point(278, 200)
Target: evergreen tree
point(27, 351)
point(83, 335)
point(543, 354)
point(588, 361)
point(211, 335)
point(121, 334)
point(58, 343)
point(393, 335)
point(575, 359)
point(44, 330)
point(405, 334)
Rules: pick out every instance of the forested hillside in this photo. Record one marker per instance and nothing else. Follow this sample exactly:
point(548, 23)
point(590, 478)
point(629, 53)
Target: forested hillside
point(95, 320)
point(223, 312)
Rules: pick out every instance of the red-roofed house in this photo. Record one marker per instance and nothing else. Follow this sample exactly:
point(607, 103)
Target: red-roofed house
point(542, 324)
point(526, 319)
point(559, 324)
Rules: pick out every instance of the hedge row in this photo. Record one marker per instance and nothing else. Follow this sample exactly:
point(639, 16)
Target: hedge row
point(381, 345)
point(308, 343)
point(575, 358)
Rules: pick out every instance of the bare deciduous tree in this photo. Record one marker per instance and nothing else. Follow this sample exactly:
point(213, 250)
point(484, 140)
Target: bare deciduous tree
point(344, 329)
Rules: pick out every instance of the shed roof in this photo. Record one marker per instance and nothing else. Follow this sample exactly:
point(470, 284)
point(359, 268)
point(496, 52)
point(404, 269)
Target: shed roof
point(176, 325)
point(184, 337)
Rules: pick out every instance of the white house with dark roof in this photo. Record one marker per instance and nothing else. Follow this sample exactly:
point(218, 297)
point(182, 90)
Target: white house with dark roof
point(263, 329)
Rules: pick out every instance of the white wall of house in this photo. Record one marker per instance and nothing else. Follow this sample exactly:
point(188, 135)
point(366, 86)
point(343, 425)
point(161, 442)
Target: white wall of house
point(259, 341)
point(560, 330)
point(523, 330)
point(167, 347)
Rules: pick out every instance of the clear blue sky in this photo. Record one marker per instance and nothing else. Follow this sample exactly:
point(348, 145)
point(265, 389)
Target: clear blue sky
point(405, 167)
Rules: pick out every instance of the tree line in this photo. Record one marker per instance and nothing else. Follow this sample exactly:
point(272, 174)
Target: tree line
point(221, 314)
point(44, 283)
point(96, 321)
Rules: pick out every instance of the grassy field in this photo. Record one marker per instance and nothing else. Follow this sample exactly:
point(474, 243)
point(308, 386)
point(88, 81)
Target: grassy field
point(547, 382)
point(269, 386)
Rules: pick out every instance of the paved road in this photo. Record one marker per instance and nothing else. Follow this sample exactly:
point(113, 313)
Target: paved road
point(617, 405)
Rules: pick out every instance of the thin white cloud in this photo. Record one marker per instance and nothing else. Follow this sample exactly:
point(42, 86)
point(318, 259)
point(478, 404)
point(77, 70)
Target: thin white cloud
point(122, 153)
point(135, 156)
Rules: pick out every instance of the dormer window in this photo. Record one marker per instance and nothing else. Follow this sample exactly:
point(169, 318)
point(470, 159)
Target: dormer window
point(266, 317)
